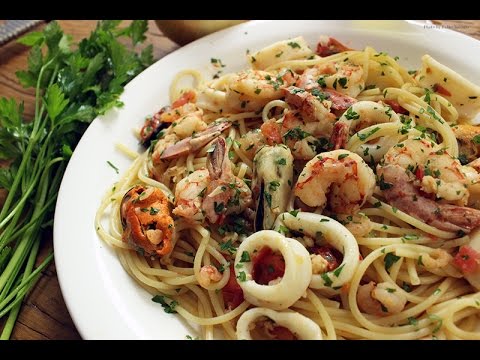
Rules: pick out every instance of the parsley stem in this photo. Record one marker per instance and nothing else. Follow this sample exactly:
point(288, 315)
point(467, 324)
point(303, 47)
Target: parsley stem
point(29, 280)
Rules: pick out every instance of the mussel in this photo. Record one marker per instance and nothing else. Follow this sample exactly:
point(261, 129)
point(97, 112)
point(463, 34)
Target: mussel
point(146, 220)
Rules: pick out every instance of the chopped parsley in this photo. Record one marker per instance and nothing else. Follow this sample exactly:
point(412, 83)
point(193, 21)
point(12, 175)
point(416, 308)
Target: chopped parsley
point(294, 45)
point(436, 319)
point(338, 270)
point(242, 276)
point(351, 115)
point(283, 230)
point(218, 207)
point(363, 137)
point(294, 212)
point(217, 62)
point(296, 134)
point(228, 246)
point(321, 82)
point(113, 166)
point(420, 262)
point(389, 260)
point(268, 197)
point(327, 280)
point(245, 257)
point(319, 94)
point(343, 82)
point(384, 185)
point(168, 307)
point(412, 321)
point(273, 185)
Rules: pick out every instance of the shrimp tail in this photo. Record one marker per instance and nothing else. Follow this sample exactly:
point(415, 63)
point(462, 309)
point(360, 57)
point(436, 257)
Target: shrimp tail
point(216, 159)
point(464, 217)
point(339, 136)
point(195, 142)
point(405, 196)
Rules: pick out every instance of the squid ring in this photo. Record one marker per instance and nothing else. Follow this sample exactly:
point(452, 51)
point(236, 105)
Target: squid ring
point(336, 235)
point(293, 284)
point(302, 327)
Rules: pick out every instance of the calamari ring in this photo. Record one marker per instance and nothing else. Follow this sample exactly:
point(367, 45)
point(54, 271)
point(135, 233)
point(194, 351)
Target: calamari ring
point(336, 235)
point(302, 327)
point(293, 284)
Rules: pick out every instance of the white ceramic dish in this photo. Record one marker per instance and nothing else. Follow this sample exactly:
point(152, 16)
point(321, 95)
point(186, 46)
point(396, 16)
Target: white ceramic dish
point(104, 302)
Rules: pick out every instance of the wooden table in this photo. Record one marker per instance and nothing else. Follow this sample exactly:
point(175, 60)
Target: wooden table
point(44, 314)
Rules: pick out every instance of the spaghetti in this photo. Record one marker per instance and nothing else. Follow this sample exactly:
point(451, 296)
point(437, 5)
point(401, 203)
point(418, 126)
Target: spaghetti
point(316, 195)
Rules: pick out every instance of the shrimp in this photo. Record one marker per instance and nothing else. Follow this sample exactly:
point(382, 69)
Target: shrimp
point(380, 299)
point(358, 224)
point(359, 116)
point(311, 107)
point(341, 176)
point(437, 259)
point(189, 144)
point(226, 194)
point(400, 191)
point(467, 146)
point(147, 224)
point(301, 137)
point(189, 194)
point(251, 90)
point(344, 77)
point(251, 142)
point(207, 275)
point(415, 174)
point(432, 168)
point(329, 46)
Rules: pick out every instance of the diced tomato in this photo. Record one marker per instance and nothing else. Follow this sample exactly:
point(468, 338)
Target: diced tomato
point(340, 101)
point(441, 90)
point(419, 173)
point(396, 107)
point(333, 46)
point(271, 131)
point(332, 255)
point(232, 292)
point(267, 266)
point(467, 260)
point(186, 97)
point(282, 333)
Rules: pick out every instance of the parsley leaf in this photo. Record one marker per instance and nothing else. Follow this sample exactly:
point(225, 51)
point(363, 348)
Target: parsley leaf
point(168, 306)
point(389, 260)
point(245, 257)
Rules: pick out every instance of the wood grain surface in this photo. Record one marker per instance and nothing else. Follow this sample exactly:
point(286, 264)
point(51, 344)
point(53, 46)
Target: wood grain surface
point(44, 314)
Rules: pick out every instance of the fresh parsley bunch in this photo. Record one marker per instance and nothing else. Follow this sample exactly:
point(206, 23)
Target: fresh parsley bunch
point(74, 83)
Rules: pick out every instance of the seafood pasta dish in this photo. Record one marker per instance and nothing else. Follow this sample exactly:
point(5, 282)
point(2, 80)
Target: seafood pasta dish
point(321, 193)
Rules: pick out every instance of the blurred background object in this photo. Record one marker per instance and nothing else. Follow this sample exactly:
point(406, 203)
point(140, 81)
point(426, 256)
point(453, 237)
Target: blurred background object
point(185, 31)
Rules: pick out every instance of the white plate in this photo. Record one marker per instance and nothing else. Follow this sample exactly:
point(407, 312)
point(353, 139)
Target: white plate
point(104, 302)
